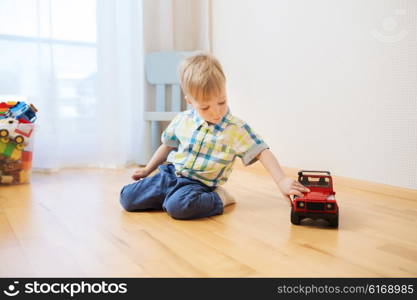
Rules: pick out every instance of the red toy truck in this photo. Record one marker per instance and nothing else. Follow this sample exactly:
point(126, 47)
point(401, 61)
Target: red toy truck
point(319, 203)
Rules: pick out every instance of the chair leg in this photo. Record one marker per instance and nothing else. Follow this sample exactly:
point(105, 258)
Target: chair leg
point(155, 136)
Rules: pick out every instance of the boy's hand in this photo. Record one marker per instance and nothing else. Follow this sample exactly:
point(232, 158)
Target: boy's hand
point(140, 173)
point(289, 186)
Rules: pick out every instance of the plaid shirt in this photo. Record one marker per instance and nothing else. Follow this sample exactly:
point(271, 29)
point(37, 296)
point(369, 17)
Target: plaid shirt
point(207, 152)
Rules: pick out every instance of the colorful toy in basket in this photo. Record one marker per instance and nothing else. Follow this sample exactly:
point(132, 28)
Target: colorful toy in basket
point(16, 133)
point(23, 112)
point(5, 106)
point(11, 129)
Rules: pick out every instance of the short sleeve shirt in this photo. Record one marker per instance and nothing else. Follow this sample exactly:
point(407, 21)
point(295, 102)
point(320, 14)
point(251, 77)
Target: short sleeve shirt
point(206, 152)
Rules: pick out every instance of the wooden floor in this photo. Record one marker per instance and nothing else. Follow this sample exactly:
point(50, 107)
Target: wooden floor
point(71, 224)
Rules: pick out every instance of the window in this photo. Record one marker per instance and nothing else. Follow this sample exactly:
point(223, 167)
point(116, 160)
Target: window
point(48, 50)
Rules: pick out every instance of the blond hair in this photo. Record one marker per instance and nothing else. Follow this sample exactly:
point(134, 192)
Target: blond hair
point(202, 76)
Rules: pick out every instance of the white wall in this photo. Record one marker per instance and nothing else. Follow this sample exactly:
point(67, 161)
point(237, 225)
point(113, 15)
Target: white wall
point(329, 84)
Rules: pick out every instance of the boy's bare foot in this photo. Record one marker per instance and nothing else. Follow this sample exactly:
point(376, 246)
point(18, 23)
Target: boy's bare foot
point(225, 196)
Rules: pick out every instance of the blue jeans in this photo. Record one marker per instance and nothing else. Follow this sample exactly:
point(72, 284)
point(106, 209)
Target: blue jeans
point(181, 197)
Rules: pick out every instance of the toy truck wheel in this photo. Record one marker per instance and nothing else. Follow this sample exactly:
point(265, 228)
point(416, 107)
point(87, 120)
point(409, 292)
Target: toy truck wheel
point(4, 133)
point(334, 222)
point(4, 140)
point(295, 219)
point(19, 139)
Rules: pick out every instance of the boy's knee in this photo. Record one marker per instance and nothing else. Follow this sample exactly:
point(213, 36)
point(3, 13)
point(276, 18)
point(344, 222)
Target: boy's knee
point(178, 210)
point(186, 204)
point(174, 211)
point(126, 199)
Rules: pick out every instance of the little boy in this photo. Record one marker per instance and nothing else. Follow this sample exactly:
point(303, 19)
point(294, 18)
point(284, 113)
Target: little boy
point(201, 146)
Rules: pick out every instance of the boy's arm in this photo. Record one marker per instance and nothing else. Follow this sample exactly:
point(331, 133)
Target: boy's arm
point(287, 185)
point(158, 158)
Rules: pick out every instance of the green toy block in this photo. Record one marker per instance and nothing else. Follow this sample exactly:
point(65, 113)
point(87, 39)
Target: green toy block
point(2, 147)
point(9, 149)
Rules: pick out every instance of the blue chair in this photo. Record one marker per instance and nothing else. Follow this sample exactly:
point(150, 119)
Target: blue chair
point(162, 71)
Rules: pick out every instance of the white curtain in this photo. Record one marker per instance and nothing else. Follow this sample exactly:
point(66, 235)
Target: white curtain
point(80, 63)
point(120, 81)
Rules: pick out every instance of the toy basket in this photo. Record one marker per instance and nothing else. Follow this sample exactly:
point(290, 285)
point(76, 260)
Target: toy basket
point(16, 145)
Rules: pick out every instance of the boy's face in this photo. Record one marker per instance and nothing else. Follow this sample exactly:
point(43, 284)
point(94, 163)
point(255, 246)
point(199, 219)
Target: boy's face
point(212, 110)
